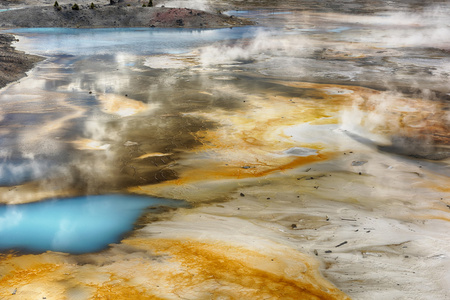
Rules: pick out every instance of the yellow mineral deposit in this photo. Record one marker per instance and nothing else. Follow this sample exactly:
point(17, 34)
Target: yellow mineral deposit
point(255, 142)
point(168, 269)
point(122, 105)
point(88, 144)
point(154, 154)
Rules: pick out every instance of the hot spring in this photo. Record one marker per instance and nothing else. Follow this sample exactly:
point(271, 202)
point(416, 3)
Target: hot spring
point(73, 225)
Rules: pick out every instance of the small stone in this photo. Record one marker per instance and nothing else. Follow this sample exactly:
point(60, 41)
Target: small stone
point(343, 243)
point(328, 251)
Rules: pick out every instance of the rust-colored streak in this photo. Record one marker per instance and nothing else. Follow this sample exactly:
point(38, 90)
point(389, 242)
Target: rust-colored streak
point(296, 162)
point(24, 276)
point(213, 170)
point(118, 290)
point(170, 269)
point(214, 268)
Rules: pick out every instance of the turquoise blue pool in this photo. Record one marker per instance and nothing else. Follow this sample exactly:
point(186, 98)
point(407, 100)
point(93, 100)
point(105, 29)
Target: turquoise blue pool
point(73, 225)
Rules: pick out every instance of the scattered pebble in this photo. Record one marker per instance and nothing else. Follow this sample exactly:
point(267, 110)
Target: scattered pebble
point(341, 244)
point(357, 163)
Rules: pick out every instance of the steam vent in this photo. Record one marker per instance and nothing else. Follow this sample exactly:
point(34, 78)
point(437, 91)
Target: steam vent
point(211, 149)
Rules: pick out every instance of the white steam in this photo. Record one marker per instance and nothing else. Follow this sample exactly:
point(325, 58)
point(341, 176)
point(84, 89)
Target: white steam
point(428, 28)
point(264, 45)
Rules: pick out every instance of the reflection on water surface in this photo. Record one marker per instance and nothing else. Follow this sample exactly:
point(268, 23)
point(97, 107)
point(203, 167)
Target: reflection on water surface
point(70, 41)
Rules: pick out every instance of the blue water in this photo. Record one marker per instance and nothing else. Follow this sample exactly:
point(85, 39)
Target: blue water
point(73, 225)
point(7, 9)
point(138, 41)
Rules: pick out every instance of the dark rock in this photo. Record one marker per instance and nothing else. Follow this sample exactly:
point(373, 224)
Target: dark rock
point(179, 22)
point(341, 244)
point(357, 163)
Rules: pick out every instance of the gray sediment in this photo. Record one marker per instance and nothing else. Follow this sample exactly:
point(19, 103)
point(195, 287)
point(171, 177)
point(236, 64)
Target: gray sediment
point(13, 64)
